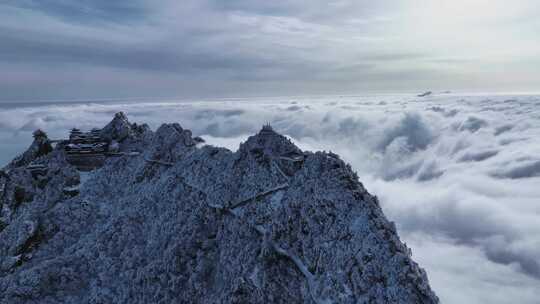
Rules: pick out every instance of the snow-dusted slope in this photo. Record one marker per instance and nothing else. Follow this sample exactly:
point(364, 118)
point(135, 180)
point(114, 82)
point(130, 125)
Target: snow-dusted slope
point(186, 223)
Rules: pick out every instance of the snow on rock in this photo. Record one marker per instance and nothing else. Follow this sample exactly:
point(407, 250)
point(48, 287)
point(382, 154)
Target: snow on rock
point(39, 147)
point(118, 129)
point(181, 222)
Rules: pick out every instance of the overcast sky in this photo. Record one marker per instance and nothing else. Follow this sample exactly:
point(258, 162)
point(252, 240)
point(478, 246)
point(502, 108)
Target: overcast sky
point(62, 49)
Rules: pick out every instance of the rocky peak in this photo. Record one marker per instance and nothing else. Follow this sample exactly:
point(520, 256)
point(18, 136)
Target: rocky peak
point(183, 223)
point(118, 129)
point(40, 146)
point(270, 144)
point(40, 135)
point(170, 141)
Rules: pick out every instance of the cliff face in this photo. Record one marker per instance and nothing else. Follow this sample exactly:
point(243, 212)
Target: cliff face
point(180, 222)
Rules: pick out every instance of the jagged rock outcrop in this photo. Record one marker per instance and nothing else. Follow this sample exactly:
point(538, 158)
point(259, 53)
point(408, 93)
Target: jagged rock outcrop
point(39, 147)
point(180, 222)
point(118, 129)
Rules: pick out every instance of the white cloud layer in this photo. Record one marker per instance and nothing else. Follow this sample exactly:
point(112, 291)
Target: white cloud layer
point(458, 174)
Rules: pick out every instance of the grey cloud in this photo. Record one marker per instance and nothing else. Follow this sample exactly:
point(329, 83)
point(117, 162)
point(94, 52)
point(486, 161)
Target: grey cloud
point(33, 125)
point(293, 108)
point(478, 156)
point(475, 227)
point(211, 114)
point(322, 11)
point(351, 127)
point(228, 128)
point(86, 11)
point(429, 172)
point(195, 48)
point(502, 129)
point(503, 254)
point(444, 111)
point(472, 124)
point(523, 169)
point(27, 47)
point(417, 134)
point(464, 224)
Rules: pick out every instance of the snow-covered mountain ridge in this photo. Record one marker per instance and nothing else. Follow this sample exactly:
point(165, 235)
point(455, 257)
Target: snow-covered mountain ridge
point(185, 222)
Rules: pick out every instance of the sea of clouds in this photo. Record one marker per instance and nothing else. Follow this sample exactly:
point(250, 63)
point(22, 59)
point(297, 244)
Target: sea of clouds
point(459, 174)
